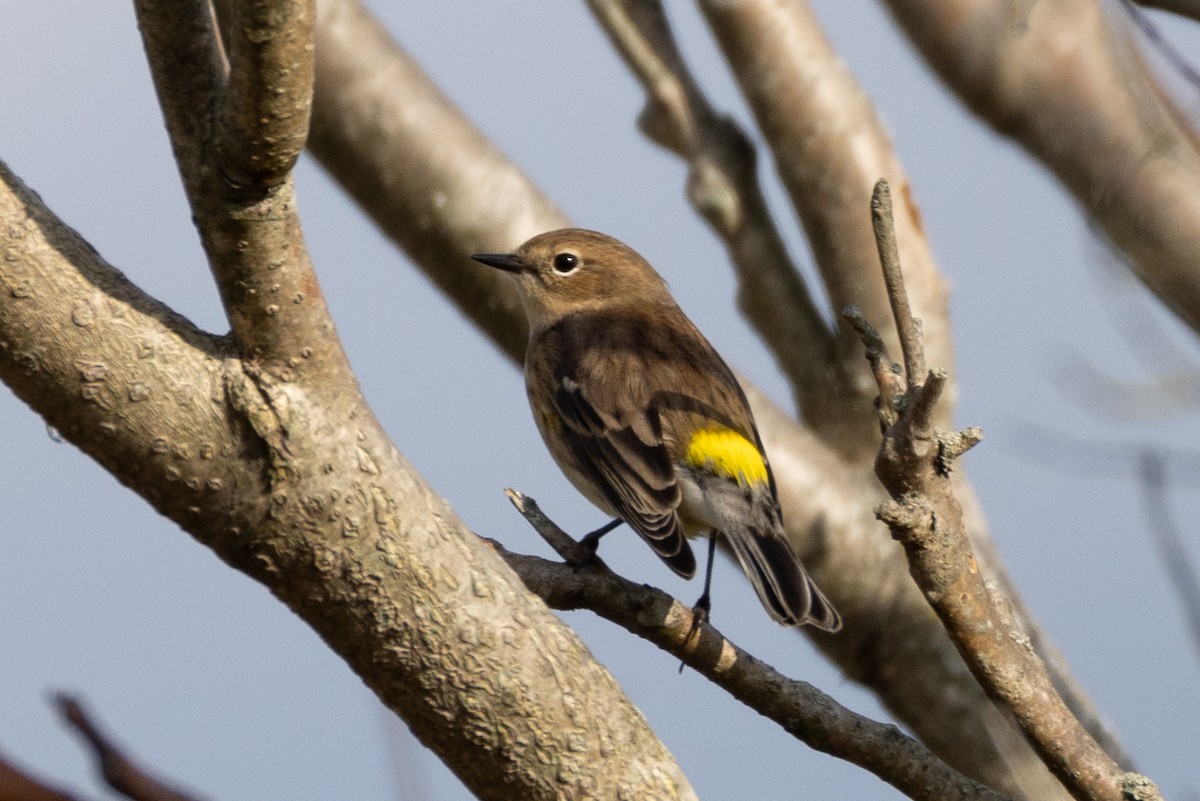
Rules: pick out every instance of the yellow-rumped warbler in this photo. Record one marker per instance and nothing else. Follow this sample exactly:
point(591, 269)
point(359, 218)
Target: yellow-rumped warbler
point(645, 418)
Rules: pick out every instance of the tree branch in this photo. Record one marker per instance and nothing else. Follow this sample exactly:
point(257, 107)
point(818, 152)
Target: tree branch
point(421, 170)
point(1184, 8)
point(121, 772)
point(280, 467)
point(829, 148)
point(457, 192)
point(235, 141)
point(1090, 112)
point(16, 785)
point(723, 188)
point(802, 710)
point(267, 104)
point(925, 517)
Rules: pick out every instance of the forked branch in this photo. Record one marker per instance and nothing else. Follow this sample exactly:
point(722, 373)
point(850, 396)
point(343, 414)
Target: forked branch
point(925, 517)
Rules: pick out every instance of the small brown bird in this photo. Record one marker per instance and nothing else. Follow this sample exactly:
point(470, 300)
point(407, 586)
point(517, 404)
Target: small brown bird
point(645, 418)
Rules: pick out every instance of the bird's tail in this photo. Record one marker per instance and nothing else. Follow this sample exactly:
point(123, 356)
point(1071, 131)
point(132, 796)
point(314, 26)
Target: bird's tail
point(783, 585)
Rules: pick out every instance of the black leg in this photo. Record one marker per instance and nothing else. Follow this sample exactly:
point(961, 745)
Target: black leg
point(591, 541)
point(703, 604)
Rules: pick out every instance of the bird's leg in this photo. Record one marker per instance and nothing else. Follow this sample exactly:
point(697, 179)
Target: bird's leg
point(591, 540)
point(703, 605)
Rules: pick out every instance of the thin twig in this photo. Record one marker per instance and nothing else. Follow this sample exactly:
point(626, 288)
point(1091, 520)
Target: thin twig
point(799, 708)
point(887, 373)
point(571, 550)
point(912, 343)
point(121, 772)
point(1171, 548)
point(927, 519)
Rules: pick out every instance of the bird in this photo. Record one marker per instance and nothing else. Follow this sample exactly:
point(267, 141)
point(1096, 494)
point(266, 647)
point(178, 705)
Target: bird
point(646, 420)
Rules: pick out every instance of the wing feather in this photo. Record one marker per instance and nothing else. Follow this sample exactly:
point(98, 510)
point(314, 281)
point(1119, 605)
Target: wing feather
point(622, 452)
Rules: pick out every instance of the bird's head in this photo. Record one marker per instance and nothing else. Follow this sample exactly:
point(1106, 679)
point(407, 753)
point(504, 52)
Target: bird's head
point(573, 270)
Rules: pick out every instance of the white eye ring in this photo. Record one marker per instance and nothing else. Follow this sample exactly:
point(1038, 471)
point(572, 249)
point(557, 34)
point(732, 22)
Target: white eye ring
point(565, 263)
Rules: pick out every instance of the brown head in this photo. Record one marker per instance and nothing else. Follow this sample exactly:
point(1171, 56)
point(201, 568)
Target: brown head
point(572, 269)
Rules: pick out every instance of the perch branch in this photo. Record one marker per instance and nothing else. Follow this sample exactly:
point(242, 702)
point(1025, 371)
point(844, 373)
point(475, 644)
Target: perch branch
point(799, 708)
point(925, 517)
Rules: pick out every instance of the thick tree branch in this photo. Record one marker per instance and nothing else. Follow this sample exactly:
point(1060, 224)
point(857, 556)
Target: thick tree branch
point(802, 710)
point(118, 374)
point(240, 190)
point(830, 147)
point(319, 507)
point(723, 187)
point(296, 484)
point(421, 169)
point(925, 516)
point(1057, 78)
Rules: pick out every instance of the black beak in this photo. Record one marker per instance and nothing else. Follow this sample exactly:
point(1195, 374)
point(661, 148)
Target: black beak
point(501, 261)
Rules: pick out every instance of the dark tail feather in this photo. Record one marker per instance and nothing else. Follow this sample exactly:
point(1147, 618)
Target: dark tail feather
point(783, 585)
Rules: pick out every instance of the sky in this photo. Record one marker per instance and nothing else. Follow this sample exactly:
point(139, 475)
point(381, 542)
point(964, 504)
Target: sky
point(212, 682)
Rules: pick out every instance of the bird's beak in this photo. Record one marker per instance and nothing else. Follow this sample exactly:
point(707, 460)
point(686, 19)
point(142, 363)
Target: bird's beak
point(501, 261)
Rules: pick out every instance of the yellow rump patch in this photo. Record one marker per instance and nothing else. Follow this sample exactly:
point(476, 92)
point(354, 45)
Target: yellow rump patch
point(727, 453)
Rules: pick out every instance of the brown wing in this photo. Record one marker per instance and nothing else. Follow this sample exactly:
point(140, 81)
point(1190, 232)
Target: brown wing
point(621, 451)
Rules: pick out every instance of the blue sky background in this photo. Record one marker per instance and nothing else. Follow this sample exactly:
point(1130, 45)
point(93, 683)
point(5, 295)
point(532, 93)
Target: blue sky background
point(209, 680)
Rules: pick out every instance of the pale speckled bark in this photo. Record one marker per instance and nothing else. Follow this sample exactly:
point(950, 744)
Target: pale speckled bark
point(331, 518)
point(261, 446)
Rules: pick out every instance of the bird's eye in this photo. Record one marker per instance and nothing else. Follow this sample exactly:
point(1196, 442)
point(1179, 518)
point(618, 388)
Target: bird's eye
point(566, 262)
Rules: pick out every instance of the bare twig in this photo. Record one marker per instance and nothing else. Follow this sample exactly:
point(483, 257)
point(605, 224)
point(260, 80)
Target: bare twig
point(723, 187)
point(799, 708)
point(1171, 549)
point(121, 772)
point(572, 552)
point(925, 516)
point(908, 328)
